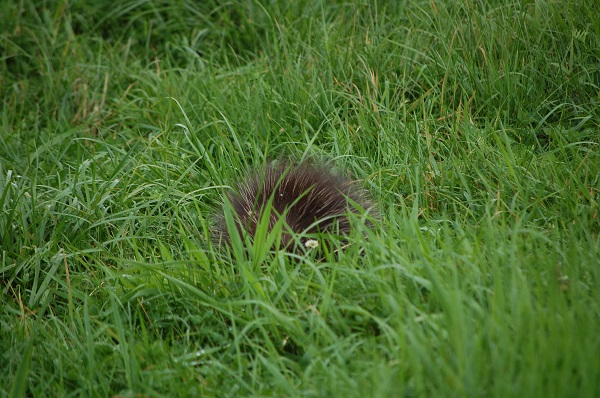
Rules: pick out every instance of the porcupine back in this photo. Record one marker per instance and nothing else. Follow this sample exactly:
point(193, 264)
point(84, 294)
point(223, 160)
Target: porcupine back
point(311, 197)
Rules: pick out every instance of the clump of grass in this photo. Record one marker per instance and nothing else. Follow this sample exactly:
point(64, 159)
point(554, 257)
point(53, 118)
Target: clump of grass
point(474, 126)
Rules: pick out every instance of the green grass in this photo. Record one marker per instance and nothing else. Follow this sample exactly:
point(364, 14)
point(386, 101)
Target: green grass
point(475, 126)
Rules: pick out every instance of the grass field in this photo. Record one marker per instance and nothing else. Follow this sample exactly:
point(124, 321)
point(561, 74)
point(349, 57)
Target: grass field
point(474, 125)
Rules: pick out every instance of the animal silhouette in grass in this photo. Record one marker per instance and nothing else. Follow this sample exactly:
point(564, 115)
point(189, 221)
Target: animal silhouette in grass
point(307, 199)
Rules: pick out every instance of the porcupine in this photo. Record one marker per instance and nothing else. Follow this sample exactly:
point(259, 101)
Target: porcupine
point(310, 196)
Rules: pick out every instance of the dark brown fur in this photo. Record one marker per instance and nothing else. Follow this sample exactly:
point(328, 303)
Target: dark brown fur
point(312, 198)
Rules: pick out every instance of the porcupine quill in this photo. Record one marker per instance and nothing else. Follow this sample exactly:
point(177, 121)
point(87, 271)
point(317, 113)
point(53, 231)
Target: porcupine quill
point(311, 197)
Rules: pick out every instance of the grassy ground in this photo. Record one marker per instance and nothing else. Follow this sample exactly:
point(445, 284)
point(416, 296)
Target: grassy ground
point(475, 126)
